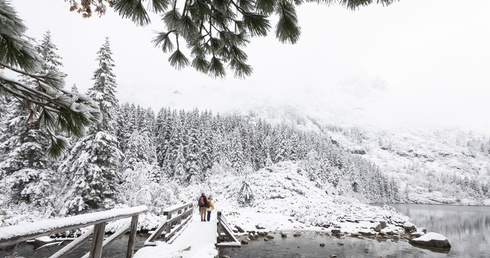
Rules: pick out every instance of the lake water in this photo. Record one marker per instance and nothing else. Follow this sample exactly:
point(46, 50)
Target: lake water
point(467, 229)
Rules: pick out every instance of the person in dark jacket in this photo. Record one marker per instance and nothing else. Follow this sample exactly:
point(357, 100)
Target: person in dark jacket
point(202, 203)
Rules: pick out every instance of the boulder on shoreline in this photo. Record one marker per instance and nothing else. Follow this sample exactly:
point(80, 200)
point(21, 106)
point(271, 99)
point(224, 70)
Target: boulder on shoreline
point(431, 239)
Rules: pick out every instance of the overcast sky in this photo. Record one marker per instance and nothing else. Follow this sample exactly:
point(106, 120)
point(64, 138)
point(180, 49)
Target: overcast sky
point(413, 63)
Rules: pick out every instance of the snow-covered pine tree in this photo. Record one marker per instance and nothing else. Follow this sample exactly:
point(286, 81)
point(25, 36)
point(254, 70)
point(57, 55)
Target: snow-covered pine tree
point(174, 147)
point(92, 167)
point(29, 172)
point(104, 89)
point(124, 125)
point(237, 159)
point(206, 143)
point(141, 173)
point(163, 133)
point(46, 102)
point(193, 165)
point(140, 149)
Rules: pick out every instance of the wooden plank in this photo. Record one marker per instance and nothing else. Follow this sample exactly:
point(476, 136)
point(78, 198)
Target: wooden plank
point(173, 209)
point(132, 236)
point(47, 227)
point(229, 245)
point(118, 233)
point(227, 230)
point(73, 244)
point(97, 241)
point(155, 235)
point(224, 227)
point(176, 229)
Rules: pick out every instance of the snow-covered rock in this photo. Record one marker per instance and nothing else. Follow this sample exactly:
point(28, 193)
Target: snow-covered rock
point(431, 239)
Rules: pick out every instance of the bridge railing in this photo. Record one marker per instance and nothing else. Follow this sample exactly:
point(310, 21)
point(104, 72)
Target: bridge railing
point(19, 233)
point(226, 238)
point(176, 217)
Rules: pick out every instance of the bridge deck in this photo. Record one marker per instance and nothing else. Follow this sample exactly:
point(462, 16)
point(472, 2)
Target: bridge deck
point(197, 240)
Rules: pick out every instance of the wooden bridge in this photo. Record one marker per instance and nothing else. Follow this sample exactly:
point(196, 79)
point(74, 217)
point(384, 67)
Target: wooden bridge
point(182, 231)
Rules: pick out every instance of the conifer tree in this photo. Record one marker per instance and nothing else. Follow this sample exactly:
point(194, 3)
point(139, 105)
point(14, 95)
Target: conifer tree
point(163, 132)
point(92, 167)
point(55, 108)
point(28, 169)
point(104, 89)
point(206, 143)
point(237, 161)
point(193, 164)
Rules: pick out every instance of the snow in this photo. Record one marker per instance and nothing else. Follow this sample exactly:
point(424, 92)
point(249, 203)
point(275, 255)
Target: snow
point(196, 240)
point(429, 236)
point(284, 199)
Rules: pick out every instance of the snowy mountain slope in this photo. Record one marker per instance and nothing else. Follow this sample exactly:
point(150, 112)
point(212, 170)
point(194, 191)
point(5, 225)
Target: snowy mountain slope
point(447, 166)
point(431, 164)
point(281, 195)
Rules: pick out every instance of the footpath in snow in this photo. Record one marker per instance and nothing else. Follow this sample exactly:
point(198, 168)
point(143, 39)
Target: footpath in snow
point(197, 239)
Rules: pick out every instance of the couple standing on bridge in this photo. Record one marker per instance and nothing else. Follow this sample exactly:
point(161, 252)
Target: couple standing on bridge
point(205, 205)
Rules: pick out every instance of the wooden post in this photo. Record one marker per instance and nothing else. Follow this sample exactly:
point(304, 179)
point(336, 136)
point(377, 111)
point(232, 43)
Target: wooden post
point(169, 228)
point(132, 236)
point(98, 239)
point(218, 227)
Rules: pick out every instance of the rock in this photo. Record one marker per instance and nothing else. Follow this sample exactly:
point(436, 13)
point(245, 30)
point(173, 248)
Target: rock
point(380, 226)
point(284, 235)
point(225, 256)
point(409, 227)
point(333, 256)
point(259, 227)
point(417, 234)
point(336, 232)
point(366, 232)
point(239, 229)
point(340, 244)
point(262, 234)
point(245, 241)
point(322, 244)
point(354, 235)
point(269, 237)
point(266, 239)
point(431, 239)
point(297, 234)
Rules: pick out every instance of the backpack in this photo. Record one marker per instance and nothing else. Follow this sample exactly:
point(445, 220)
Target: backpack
point(207, 204)
point(203, 201)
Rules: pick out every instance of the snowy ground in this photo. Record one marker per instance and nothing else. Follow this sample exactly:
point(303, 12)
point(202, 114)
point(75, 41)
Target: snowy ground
point(280, 198)
point(196, 240)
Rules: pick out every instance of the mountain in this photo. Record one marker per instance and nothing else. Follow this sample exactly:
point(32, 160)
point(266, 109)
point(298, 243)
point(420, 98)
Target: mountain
point(445, 166)
point(432, 160)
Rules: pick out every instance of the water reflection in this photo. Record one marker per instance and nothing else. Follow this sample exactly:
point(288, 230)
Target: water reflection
point(467, 228)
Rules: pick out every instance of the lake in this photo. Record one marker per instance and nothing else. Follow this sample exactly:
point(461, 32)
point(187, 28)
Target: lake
point(466, 227)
